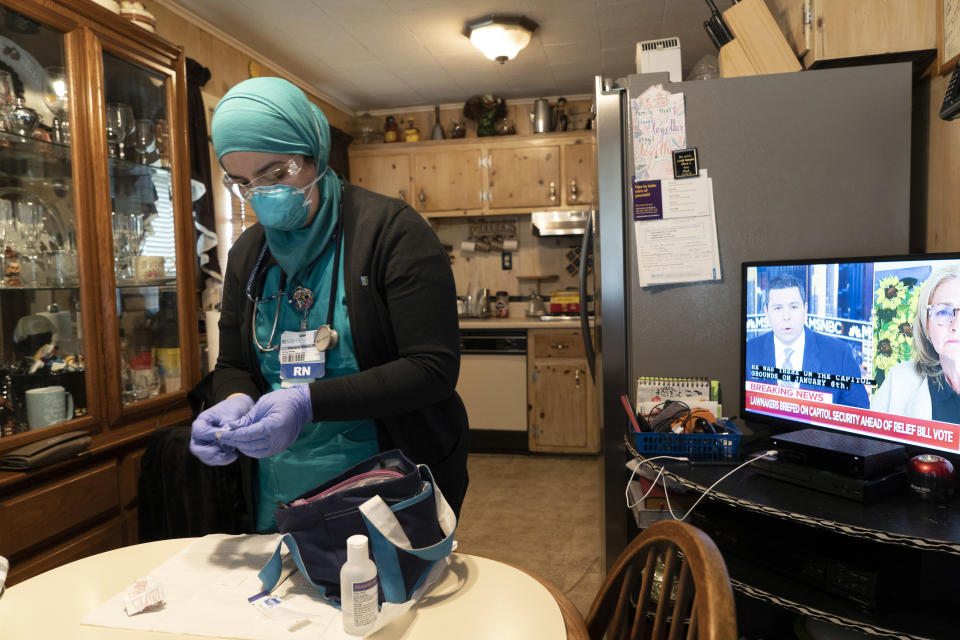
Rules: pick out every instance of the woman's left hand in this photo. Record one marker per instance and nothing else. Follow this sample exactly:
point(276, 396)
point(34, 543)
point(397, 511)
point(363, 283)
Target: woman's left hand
point(273, 423)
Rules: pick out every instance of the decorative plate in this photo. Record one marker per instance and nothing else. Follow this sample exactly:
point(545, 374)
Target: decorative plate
point(30, 72)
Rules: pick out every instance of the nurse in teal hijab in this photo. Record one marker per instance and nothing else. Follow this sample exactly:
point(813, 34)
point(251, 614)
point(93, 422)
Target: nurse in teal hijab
point(273, 145)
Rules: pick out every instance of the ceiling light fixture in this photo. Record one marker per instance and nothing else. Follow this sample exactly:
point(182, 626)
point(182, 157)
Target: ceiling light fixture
point(500, 37)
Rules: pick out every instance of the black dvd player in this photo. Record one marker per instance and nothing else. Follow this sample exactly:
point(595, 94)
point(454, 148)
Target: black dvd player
point(838, 453)
point(860, 489)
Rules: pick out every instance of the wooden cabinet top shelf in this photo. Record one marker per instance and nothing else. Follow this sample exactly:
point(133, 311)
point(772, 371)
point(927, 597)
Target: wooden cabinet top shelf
point(535, 139)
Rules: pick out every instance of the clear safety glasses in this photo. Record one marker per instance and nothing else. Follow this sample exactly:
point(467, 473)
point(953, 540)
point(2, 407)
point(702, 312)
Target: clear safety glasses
point(269, 181)
point(942, 314)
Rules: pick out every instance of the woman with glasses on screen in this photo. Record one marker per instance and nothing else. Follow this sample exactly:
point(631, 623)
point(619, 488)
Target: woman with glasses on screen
point(338, 329)
point(928, 386)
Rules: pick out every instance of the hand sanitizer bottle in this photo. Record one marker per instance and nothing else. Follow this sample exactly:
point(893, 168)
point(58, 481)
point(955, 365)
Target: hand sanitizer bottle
point(358, 588)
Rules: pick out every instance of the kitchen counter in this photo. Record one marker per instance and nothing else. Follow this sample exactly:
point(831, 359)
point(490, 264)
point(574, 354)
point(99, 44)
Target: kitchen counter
point(518, 322)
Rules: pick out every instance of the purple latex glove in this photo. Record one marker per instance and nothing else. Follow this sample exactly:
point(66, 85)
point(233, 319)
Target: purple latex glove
point(204, 442)
point(273, 423)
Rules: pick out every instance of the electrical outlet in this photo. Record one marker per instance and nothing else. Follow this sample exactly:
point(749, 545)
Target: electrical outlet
point(506, 260)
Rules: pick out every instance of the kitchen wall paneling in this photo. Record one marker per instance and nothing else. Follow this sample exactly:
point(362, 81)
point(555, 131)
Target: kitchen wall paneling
point(228, 65)
point(534, 256)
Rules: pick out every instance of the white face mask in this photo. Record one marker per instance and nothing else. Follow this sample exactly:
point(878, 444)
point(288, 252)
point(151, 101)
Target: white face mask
point(284, 206)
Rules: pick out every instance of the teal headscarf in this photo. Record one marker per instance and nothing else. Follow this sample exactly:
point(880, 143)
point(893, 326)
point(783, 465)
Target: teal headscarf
point(271, 115)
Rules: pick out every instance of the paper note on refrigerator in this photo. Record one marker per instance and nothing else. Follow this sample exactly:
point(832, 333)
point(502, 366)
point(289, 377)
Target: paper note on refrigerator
point(682, 245)
point(659, 127)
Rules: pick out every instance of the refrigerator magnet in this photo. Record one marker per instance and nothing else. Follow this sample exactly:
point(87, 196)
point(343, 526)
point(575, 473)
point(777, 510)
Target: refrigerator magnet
point(647, 200)
point(685, 164)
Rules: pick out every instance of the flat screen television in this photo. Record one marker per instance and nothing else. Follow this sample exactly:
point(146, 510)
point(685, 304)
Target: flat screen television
point(864, 346)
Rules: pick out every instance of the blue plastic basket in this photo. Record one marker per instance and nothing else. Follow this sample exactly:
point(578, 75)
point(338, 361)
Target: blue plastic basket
point(696, 446)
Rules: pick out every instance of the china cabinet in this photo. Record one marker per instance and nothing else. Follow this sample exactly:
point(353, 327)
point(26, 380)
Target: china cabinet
point(499, 175)
point(98, 295)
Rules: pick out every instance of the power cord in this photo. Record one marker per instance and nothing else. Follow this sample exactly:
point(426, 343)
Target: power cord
point(653, 484)
point(769, 454)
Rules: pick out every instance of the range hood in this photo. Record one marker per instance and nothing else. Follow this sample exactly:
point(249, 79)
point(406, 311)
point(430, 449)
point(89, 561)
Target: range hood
point(559, 223)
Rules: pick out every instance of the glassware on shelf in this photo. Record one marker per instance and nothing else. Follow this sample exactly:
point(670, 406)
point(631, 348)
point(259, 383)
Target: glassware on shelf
point(162, 138)
point(22, 120)
point(135, 235)
point(120, 124)
point(56, 97)
point(129, 235)
point(7, 229)
point(144, 376)
point(30, 224)
point(65, 262)
point(122, 264)
point(145, 140)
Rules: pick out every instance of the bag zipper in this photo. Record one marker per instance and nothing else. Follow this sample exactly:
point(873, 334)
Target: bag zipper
point(361, 480)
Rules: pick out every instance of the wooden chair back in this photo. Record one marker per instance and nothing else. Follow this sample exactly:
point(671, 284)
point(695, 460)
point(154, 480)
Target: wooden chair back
point(674, 559)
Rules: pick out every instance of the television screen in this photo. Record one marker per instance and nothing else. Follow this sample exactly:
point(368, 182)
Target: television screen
point(865, 346)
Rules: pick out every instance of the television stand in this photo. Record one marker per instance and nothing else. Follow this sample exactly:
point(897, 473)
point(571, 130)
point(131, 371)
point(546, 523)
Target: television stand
point(886, 568)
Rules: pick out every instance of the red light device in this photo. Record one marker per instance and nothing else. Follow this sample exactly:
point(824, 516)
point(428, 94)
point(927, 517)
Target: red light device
point(933, 477)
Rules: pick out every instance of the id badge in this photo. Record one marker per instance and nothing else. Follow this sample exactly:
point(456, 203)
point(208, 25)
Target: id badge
point(299, 357)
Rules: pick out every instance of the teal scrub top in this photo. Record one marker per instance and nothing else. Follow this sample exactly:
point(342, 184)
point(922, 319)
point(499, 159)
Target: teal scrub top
point(324, 449)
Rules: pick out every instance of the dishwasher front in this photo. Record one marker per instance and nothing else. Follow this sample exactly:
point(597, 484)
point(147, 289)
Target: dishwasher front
point(493, 379)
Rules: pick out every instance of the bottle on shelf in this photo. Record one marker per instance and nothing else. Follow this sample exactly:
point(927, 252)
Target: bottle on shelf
point(502, 305)
point(144, 380)
point(358, 588)
point(437, 133)
point(168, 356)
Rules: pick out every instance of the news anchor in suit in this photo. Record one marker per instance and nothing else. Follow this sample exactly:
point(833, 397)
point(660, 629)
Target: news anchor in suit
point(791, 345)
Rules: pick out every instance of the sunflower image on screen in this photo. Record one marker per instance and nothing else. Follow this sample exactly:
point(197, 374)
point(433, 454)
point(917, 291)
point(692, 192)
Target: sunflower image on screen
point(917, 362)
point(894, 309)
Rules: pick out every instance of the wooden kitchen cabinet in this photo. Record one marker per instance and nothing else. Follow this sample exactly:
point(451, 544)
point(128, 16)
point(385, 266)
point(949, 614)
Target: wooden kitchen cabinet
point(561, 396)
point(500, 175)
point(99, 262)
point(821, 31)
point(580, 167)
point(524, 177)
point(446, 179)
point(388, 174)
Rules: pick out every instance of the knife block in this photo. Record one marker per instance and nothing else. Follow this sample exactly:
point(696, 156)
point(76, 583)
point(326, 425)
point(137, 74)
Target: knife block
point(758, 46)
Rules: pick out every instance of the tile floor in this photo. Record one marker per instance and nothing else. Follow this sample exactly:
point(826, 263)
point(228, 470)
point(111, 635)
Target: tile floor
point(541, 513)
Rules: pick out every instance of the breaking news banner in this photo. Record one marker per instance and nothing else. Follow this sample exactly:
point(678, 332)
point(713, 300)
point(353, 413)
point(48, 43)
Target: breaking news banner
point(817, 408)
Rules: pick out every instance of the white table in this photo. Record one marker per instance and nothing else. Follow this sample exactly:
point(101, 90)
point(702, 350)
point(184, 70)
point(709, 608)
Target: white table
point(477, 598)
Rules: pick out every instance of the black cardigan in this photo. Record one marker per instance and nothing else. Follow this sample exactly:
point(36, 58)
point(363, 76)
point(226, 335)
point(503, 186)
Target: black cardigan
point(401, 301)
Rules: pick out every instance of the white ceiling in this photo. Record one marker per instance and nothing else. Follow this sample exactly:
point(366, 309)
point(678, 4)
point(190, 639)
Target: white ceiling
point(384, 54)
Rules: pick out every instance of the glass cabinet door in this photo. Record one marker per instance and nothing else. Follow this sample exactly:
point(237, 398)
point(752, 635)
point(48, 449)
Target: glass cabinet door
point(42, 372)
point(142, 217)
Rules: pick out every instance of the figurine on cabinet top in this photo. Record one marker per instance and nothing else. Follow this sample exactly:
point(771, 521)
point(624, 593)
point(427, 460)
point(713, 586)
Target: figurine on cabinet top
point(390, 130)
point(560, 121)
point(411, 133)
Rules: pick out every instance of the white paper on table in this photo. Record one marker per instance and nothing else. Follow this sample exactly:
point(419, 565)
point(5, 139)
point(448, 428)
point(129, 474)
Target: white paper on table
point(659, 127)
point(206, 587)
point(681, 247)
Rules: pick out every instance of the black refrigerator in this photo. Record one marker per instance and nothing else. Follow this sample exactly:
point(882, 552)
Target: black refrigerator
point(813, 164)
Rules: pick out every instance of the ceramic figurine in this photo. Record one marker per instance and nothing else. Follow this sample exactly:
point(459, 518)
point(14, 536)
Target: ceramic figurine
point(390, 130)
point(560, 121)
point(411, 133)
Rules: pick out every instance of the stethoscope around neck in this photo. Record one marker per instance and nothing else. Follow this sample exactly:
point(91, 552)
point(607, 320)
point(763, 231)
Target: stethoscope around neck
point(327, 337)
